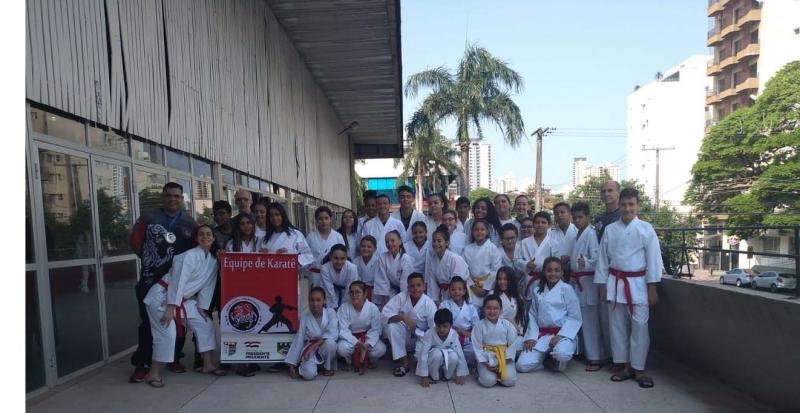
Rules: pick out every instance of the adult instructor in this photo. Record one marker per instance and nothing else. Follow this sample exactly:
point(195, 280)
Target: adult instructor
point(609, 195)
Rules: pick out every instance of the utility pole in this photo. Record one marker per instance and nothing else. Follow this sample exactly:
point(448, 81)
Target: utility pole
point(537, 190)
point(658, 150)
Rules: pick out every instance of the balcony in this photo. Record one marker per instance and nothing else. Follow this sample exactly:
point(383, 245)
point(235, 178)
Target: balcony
point(713, 68)
point(714, 7)
point(752, 16)
point(727, 93)
point(713, 37)
point(712, 97)
point(725, 63)
point(750, 50)
point(747, 84)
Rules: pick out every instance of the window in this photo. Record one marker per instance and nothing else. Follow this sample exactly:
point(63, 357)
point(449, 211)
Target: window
point(771, 244)
point(101, 137)
point(201, 168)
point(147, 151)
point(55, 125)
point(203, 201)
point(737, 46)
point(228, 176)
point(754, 36)
point(178, 160)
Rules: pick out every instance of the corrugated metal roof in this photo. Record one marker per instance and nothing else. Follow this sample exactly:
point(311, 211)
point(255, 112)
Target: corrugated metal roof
point(352, 48)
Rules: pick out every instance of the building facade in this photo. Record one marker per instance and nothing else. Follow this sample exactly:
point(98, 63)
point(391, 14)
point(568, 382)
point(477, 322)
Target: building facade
point(579, 166)
point(480, 165)
point(582, 170)
point(124, 97)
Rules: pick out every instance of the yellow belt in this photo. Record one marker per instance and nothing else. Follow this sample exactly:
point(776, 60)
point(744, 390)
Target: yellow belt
point(479, 280)
point(500, 351)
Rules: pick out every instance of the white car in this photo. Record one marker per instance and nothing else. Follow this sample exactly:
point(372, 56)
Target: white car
point(774, 281)
point(738, 276)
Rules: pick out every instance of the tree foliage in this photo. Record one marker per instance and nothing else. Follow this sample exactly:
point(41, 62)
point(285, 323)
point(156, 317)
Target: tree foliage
point(429, 155)
point(481, 192)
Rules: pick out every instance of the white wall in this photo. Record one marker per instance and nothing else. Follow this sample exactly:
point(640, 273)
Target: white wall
point(779, 42)
point(378, 168)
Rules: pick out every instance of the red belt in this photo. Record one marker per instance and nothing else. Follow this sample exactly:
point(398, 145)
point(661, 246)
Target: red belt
point(307, 348)
point(463, 337)
point(358, 355)
point(543, 331)
point(625, 284)
point(578, 276)
point(179, 315)
point(535, 275)
point(443, 287)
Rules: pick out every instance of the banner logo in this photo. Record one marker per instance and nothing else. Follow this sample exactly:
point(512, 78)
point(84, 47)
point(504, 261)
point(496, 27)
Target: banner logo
point(252, 344)
point(229, 347)
point(243, 315)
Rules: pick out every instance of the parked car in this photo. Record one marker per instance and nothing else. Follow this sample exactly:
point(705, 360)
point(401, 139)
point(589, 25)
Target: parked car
point(774, 281)
point(738, 276)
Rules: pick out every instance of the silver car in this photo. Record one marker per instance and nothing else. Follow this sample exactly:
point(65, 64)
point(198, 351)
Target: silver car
point(738, 276)
point(774, 281)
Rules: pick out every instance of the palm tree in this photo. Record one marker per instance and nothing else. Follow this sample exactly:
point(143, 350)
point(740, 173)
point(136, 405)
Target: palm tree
point(478, 92)
point(429, 154)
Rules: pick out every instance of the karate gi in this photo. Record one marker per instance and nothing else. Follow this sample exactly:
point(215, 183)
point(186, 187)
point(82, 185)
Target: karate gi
point(392, 275)
point(353, 324)
point(189, 285)
point(379, 229)
point(439, 272)
point(367, 271)
point(563, 242)
point(400, 339)
point(337, 283)
point(311, 329)
point(483, 262)
point(632, 252)
point(530, 250)
point(352, 245)
point(294, 242)
point(510, 313)
point(417, 254)
point(260, 232)
point(553, 312)
point(502, 334)
point(320, 248)
point(493, 235)
point(519, 265)
point(464, 318)
point(458, 241)
point(431, 224)
point(415, 216)
point(594, 335)
point(253, 246)
point(439, 357)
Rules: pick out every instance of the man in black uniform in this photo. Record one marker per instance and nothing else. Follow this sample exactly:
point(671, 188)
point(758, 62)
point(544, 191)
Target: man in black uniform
point(609, 194)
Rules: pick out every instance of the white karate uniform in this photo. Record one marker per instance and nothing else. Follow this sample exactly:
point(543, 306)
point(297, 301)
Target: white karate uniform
point(378, 229)
point(294, 242)
point(367, 270)
point(556, 307)
point(510, 313)
point(417, 254)
point(253, 246)
point(508, 221)
point(352, 321)
point(464, 318)
point(400, 339)
point(530, 250)
point(630, 248)
point(439, 357)
point(337, 283)
point(493, 235)
point(393, 272)
point(458, 241)
point(312, 329)
point(353, 245)
point(519, 265)
point(594, 335)
point(431, 224)
point(260, 232)
point(460, 225)
point(320, 248)
point(483, 262)
point(415, 216)
point(440, 271)
point(563, 241)
point(487, 333)
point(190, 286)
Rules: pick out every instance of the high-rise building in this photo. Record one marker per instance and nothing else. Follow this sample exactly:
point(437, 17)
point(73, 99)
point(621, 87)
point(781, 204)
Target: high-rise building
point(480, 165)
point(667, 113)
point(581, 171)
point(578, 171)
point(506, 184)
point(751, 41)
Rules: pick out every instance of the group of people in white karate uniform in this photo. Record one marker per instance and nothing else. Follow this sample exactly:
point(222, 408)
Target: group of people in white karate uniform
point(498, 293)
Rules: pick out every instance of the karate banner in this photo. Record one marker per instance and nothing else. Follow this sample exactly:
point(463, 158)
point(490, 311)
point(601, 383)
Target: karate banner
point(259, 314)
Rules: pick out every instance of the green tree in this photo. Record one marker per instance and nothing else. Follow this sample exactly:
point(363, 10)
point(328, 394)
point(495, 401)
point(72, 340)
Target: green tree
point(481, 192)
point(748, 165)
point(478, 92)
point(430, 154)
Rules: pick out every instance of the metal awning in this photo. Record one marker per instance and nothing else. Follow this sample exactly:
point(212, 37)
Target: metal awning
point(352, 48)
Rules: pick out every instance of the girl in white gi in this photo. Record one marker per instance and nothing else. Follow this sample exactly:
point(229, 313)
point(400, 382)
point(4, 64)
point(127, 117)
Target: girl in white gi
point(436, 206)
point(523, 210)
point(441, 265)
point(260, 215)
point(408, 315)
point(512, 255)
point(243, 237)
point(417, 248)
point(360, 327)
point(482, 209)
point(553, 320)
point(367, 263)
point(483, 259)
point(628, 269)
point(315, 341)
point(535, 249)
point(503, 205)
point(513, 305)
point(349, 231)
point(394, 267)
point(465, 316)
point(441, 353)
point(283, 238)
point(526, 228)
point(582, 260)
point(321, 240)
point(183, 295)
point(337, 274)
point(494, 339)
point(458, 239)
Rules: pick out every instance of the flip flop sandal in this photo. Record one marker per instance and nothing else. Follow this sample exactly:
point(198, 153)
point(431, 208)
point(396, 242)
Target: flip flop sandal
point(399, 371)
point(593, 367)
point(215, 372)
point(645, 382)
point(621, 376)
point(155, 383)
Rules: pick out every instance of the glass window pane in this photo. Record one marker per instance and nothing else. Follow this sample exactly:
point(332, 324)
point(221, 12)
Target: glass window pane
point(58, 126)
point(231, 197)
point(203, 202)
point(252, 183)
point(201, 168)
point(149, 186)
point(187, 191)
point(102, 138)
point(114, 207)
point(76, 319)
point(34, 355)
point(30, 248)
point(228, 176)
point(122, 314)
point(146, 151)
point(67, 207)
point(178, 160)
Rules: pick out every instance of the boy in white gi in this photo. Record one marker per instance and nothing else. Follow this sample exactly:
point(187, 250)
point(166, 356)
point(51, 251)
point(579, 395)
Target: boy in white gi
point(360, 327)
point(494, 340)
point(441, 353)
point(408, 315)
point(553, 320)
point(628, 269)
point(315, 341)
point(367, 263)
point(382, 224)
point(465, 315)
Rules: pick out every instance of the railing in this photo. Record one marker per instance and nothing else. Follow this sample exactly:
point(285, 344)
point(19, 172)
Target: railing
point(710, 2)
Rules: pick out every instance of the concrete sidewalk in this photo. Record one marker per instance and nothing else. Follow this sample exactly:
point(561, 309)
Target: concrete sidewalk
point(678, 389)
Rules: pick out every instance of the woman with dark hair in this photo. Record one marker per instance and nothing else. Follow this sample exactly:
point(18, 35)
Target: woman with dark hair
point(349, 231)
point(243, 237)
point(321, 240)
point(437, 204)
point(283, 238)
point(441, 265)
point(259, 212)
point(535, 249)
point(483, 209)
point(502, 204)
point(394, 268)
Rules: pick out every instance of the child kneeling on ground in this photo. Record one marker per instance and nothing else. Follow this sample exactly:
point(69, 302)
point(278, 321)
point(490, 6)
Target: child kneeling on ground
point(494, 340)
point(441, 353)
point(315, 341)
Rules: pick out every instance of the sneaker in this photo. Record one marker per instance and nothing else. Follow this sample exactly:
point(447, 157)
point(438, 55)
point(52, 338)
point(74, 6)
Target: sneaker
point(138, 375)
point(176, 367)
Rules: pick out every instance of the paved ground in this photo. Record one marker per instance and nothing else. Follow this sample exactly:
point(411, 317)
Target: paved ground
point(678, 389)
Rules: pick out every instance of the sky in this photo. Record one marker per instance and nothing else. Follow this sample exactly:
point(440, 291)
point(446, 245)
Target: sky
point(580, 60)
